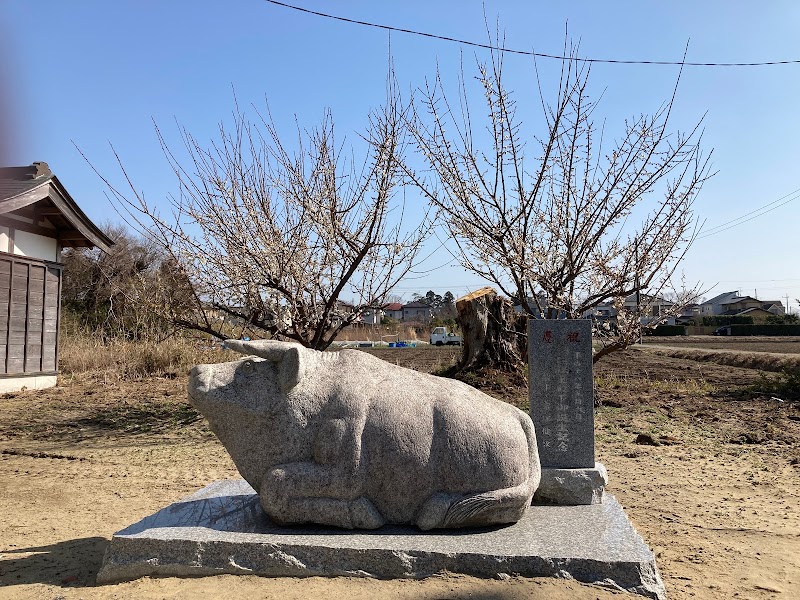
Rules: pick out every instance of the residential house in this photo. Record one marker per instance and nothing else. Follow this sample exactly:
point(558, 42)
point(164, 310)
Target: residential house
point(732, 304)
point(689, 315)
point(519, 309)
point(774, 307)
point(653, 309)
point(716, 305)
point(372, 316)
point(417, 311)
point(394, 310)
point(604, 311)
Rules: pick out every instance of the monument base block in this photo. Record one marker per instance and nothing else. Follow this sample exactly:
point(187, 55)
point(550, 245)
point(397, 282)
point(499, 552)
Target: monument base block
point(223, 529)
point(570, 487)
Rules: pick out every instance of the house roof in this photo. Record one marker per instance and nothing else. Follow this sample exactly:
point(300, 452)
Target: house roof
point(767, 304)
point(719, 299)
point(736, 299)
point(416, 305)
point(393, 306)
point(35, 193)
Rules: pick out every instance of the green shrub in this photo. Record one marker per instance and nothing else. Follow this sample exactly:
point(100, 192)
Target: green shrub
point(782, 320)
point(720, 320)
point(667, 330)
point(765, 329)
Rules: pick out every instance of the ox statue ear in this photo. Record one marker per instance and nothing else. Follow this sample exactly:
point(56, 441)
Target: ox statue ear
point(286, 355)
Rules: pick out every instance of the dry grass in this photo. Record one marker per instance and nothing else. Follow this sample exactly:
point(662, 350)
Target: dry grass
point(87, 354)
point(119, 359)
point(382, 333)
point(691, 387)
point(762, 361)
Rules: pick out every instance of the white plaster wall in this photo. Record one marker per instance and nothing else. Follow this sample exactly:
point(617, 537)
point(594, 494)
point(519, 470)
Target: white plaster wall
point(3, 239)
point(35, 246)
point(35, 382)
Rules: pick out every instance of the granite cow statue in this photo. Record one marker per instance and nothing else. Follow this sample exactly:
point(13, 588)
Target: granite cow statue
point(346, 439)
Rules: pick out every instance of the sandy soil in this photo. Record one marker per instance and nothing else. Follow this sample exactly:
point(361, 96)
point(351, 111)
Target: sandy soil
point(716, 497)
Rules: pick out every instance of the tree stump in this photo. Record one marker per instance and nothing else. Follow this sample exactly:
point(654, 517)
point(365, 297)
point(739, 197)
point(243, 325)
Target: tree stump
point(494, 335)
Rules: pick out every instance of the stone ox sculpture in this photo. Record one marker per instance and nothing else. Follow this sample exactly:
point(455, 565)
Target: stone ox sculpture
point(346, 439)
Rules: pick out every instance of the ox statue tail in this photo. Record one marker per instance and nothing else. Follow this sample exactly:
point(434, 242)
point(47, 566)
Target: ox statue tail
point(500, 506)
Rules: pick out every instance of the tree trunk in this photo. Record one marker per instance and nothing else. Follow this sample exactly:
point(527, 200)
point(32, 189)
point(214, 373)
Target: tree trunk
point(494, 335)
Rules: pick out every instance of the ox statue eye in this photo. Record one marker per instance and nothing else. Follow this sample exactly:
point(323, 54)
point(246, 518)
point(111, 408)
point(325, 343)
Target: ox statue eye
point(248, 367)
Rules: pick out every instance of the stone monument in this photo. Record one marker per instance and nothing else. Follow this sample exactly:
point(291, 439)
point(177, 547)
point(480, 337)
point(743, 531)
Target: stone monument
point(346, 439)
point(562, 408)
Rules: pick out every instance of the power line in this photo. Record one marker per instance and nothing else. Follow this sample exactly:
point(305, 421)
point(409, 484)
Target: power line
point(721, 225)
point(760, 212)
point(421, 274)
point(530, 53)
point(755, 280)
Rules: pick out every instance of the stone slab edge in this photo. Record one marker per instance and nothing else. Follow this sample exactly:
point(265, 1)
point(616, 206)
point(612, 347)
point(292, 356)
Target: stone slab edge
point(128, 558)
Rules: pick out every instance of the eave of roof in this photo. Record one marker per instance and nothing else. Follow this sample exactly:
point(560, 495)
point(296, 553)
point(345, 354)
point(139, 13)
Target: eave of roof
point(16, 193)
point(752, 309)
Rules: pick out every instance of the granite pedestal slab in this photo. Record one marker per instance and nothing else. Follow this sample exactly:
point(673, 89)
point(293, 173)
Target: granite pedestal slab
point(572, 486)
point(223, 529)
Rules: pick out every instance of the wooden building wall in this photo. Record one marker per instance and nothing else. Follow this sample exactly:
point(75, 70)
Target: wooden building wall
point(30, 303)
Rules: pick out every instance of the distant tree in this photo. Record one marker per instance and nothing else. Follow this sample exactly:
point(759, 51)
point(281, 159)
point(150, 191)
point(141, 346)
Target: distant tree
point(571, 221)
point(448, 308)
point(116, 292)
point(433, 300)
point(271, 237)
point(441, 306)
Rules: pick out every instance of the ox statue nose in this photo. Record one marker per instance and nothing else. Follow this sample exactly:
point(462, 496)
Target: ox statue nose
point(200, 378)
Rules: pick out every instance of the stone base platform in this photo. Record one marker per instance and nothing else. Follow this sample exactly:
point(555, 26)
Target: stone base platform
point(223, 529)
point(572, 486)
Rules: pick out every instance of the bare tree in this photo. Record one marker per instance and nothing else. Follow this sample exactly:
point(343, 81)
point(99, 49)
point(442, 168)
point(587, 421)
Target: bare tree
point(273, 239)
point(571, 221)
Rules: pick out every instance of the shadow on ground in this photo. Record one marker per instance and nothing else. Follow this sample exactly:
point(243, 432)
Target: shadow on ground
point(479, 595)
point(71, 563)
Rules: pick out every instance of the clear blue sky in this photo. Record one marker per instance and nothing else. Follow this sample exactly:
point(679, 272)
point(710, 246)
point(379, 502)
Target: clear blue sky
point(95, 72)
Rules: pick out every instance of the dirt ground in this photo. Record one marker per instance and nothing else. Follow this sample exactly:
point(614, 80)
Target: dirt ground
point(712, 484)
point(780, 344)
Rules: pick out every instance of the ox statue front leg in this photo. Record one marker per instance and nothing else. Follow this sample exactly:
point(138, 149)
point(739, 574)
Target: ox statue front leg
point(327, 490)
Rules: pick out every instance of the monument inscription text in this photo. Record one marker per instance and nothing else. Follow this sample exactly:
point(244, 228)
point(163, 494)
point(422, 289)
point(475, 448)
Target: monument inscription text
point(561, 393)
